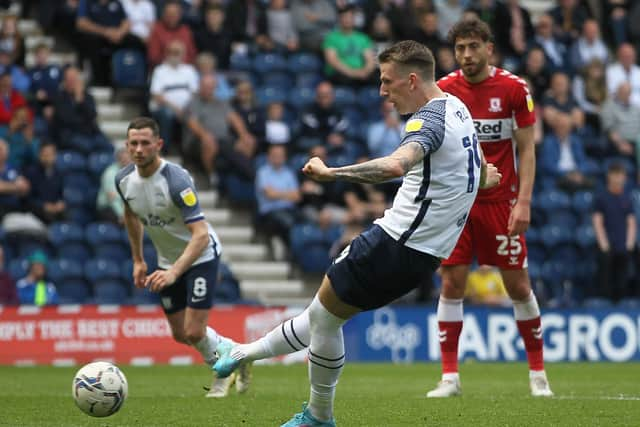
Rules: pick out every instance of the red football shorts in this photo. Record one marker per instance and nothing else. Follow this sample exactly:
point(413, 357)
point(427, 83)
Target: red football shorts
point(485, 236)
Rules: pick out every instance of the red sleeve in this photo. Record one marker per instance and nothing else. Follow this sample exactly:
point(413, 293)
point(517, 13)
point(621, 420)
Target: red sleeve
point(5, 115)
point(155, 46)
point(190, 47)
point(522, 104)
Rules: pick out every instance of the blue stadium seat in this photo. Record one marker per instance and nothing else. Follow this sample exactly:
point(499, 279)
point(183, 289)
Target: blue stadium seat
point(268, 62)
point(70, 161)
point(81, 215)
point(582, 202)
point(596, 303)
point(536, 252)
point(18, 268)
point(99, 270)
point(113, 251)
point(102, 232)
point(369, 100)
point(129, 69)
point(73, 250)
point(302, 234)
point(532, 235)
point(98, 162)
point(585, 236)
point(304, 63)
point(143, 297)
point(301, 97)
point(61, 270)
point(240, 62)
point(553, 200)
point(629, 304)
point(73, 291)
point(277, 79)
point(562, 218)
point(345, 97)
point(553, 235)
point(239, 189)
point(61, 233)
point(76, 179)
point(308, 80)
point(310, 247)
point(110, 292)
point(268, 94)
point(26, 247)
point(150, 256)
point(227, 289)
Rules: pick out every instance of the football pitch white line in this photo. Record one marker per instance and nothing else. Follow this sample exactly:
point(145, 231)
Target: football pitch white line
point(620, 397)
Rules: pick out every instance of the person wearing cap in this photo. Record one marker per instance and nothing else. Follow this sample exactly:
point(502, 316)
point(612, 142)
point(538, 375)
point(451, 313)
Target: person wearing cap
point(349, 53)
point(34, 288)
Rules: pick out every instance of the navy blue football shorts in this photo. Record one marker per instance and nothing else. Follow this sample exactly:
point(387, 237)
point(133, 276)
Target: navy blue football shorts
point(194, 288)
point(376, 270)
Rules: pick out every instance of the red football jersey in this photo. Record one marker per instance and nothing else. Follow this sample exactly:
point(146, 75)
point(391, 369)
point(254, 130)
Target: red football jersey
point(494, 104)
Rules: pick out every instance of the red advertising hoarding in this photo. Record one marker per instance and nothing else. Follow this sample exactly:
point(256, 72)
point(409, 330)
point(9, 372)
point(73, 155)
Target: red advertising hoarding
point(69, 335)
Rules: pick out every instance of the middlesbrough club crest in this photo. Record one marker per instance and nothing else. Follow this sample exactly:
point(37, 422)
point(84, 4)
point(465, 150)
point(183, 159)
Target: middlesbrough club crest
point(494, 105)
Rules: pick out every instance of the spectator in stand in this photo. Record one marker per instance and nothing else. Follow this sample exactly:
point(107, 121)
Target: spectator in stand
point(210, 124)
point(313, 20)
point(167, 30)
point(277, 130)
point(590, 92)
point(281, 32)
point(588, 46)
point(8, 292)
point(213, 37)
point(558, 99)
point(493, 12)
point(11, 99)
point(23, 146)
point(109, 204)
point(349, 53)
point(19, 79)
point(387, 10)
point(13, 186)
point(445, 62)
point(615, 227)
point(427, 31)
point(45, 85)
point(568, 17)
point(514, 32)
point(75, 116)
point(485, 287)
point(247, 21)
point(563, 157)
point(554, 48)
point(384, 136)
point(381, 33)
point(173, 84)
point(536, 71)
point(206, 64)
point(11, 40)
point(104, 28)
point(323, 124)
point(625, 70)
point(45, 199)
point(634, 30)
point(277, 192)
point(34, 288)
point(621, 122)
point(449, 12)
point(141, 15)
point(246, 105)
point(616, 16)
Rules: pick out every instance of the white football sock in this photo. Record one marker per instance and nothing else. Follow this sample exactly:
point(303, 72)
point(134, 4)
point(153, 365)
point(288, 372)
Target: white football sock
point(326, 359)
point(207, 346)
point(288, 337)
point(527, 308)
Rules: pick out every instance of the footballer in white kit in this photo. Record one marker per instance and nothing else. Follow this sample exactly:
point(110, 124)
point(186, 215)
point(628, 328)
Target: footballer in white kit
point(160, 197)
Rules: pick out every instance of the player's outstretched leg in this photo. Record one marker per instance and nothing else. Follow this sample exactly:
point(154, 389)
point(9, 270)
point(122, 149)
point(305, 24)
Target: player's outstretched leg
point(207, 346)
point(242, 377)
point(326, 360)
point(288, 337)
point(527, 315)
point(449, 325)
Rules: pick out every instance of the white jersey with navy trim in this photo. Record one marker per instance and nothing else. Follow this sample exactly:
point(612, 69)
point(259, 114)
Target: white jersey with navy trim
point(433, 202)
point(165, 202)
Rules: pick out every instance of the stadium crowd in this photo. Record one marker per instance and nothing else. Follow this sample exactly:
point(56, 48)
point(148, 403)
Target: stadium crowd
point(246, 90)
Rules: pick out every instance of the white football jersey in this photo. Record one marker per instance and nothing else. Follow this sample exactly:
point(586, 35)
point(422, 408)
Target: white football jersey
point(165, 202)
point(433, 202)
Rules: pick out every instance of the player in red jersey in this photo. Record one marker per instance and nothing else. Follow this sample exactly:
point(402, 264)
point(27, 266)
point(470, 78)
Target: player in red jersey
point(502, 110)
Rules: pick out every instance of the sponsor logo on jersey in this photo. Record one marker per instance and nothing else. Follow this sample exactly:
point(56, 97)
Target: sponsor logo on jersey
point(188, 197)
point(413, 125)
point(494, 105)
point(529, 103)
point(155, 221)
point(493, 130)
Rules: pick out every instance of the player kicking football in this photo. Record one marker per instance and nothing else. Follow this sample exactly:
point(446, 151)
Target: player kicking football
point(443, 167)
point(159, 196)
point(502, 110)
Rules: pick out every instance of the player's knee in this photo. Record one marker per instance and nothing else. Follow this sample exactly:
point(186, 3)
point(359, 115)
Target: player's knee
point(194, 335)
point(180, 336)
point(320, 319)
point(452, 288)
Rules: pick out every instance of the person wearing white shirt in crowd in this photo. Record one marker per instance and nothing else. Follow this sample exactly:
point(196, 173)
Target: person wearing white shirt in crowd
point(173, 83)
point(141, 15)
point(588, 46)
point(625, 69)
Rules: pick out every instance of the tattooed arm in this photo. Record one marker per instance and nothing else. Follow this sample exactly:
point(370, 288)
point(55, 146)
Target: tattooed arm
point(383, 169)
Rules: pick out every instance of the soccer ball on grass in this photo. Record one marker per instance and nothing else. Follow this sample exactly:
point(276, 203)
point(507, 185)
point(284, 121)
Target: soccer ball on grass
point(99, 389)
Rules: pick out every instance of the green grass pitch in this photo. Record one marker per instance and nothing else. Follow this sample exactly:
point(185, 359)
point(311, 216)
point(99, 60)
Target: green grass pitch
point(495, 394)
